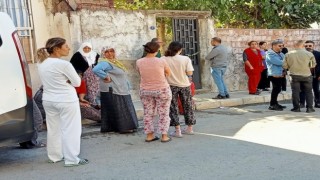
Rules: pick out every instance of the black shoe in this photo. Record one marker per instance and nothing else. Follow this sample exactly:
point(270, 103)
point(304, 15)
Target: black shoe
point(295, 110)
point(227, 96)
point(219, 97)
point(275, 108)
point(266, 89)
point(317, 105)
point(283, 107)
point(310, 110)
point(302, 106)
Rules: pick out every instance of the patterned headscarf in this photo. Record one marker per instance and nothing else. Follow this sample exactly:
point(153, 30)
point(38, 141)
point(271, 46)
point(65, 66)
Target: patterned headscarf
point(114, 61)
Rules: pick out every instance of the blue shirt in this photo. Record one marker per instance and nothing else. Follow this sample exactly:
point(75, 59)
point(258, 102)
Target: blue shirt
point(274, 63)
point(101, 69)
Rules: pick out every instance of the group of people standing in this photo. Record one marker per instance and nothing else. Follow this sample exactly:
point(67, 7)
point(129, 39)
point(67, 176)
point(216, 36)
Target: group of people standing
point(263, 66)
point(302, 63)
point(96, 87)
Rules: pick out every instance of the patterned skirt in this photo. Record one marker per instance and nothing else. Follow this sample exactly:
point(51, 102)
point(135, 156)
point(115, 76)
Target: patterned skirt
point(117, 113)
point(93, 85)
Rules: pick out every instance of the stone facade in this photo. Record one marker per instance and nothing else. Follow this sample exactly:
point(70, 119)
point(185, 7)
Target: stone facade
point(127, 31)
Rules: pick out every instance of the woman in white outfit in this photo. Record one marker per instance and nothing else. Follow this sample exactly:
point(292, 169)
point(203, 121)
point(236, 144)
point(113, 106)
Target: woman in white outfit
point(61, 103)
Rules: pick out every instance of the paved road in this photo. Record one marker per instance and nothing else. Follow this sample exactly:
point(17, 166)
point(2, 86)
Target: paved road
point(241, 143)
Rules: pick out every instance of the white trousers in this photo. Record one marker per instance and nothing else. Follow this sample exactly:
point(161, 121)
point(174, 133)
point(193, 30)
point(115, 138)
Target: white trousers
point(63, 131)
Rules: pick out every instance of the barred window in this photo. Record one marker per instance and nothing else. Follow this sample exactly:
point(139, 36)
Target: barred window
point(18, 11)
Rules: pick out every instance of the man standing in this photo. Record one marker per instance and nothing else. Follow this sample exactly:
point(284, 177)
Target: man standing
point(299, 62)
point(309, 45)
point(274, 61)
point(218, 58)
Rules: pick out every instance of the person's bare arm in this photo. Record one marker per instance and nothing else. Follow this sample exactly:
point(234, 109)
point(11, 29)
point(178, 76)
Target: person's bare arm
point(189, 74)
point(167, 71)
point(247, 63)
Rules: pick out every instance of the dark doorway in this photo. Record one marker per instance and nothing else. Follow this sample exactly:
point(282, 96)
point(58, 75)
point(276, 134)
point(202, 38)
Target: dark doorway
point(186, 32)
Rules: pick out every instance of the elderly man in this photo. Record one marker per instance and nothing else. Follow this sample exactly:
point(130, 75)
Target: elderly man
point(309, 45)
point(274, 62)
point(218, 58)
point(299, 62)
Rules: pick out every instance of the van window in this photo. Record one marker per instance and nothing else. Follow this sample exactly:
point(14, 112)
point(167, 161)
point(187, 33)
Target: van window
point(0, 41)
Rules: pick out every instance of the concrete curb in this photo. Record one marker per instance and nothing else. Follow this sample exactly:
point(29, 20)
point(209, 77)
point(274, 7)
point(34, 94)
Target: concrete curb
point(205, 101)
point(208, 103)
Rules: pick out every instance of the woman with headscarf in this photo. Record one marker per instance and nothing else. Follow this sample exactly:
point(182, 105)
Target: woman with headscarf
point(83, 61)
point(117, 111)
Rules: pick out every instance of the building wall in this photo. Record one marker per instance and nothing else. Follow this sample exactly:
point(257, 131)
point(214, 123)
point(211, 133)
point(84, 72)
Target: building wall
point(127, 31)
point(236, 40)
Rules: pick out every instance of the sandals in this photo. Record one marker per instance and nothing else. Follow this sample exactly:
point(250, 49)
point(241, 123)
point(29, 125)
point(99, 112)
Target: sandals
point(81, 162)
point(151, 140)
point(39, 145)
point(175, 134)
point(187, 132)
point(168, 140)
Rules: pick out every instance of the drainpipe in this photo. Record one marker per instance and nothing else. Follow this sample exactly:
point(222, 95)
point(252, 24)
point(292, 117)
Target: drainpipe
point(30, 30)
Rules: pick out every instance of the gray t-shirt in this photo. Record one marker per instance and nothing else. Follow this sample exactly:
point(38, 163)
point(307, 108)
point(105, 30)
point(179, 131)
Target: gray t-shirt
point(218, 56)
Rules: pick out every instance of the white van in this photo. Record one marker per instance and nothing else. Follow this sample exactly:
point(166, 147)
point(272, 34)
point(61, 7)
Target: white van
point(16, 114)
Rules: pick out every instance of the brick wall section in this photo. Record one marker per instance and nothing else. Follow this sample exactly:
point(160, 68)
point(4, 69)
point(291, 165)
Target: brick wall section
point(238, 38)
point(95, 4)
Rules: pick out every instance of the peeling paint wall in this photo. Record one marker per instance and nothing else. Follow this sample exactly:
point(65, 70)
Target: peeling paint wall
point(125, 31)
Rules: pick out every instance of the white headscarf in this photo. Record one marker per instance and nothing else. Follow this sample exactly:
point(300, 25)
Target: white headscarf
point(90, 56)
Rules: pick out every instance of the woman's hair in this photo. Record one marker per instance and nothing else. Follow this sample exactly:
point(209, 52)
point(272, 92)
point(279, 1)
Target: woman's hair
point(249, 43)
point(262, 43)
point(173, 49)
point(151, 47)
point(43, 53)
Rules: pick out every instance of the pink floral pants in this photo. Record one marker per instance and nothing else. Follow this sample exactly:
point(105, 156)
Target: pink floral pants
point(156, 101)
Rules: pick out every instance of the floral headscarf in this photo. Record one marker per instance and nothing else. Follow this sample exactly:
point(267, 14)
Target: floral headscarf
point(114, 61)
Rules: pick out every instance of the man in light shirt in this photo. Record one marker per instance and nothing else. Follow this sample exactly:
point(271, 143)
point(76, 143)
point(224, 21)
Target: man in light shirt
point(299, 62)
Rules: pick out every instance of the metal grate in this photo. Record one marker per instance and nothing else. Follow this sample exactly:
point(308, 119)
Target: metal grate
point(186, 32)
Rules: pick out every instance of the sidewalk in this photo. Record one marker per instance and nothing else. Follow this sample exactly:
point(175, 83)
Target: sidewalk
point(237, 98)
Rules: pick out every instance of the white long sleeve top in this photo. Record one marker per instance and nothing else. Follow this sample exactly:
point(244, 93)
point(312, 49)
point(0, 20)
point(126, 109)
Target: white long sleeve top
point(54, 74)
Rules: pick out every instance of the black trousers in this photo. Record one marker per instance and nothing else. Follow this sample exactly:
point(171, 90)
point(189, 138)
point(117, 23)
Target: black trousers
point(186, 99)
point(264, 81)
point(299, 83)
point(315, 87)
point(276, 89)
point(284, 83)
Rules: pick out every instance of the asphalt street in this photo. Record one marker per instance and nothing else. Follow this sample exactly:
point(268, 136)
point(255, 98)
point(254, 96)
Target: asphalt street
point(240, 143)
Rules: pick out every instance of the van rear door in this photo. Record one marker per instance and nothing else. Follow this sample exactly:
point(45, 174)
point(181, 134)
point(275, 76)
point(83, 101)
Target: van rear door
point(15, 92)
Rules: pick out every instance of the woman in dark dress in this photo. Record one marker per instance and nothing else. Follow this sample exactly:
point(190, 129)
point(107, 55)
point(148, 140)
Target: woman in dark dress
point(83, 61)
point(117, 111)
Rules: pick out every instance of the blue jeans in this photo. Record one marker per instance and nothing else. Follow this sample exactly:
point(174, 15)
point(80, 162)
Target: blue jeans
point(217, 74)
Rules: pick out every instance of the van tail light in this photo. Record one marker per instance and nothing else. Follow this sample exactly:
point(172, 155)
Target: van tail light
point(24, 64)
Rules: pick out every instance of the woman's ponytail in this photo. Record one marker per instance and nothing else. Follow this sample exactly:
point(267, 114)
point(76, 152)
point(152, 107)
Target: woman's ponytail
point(42, 54)
point(51, 44)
